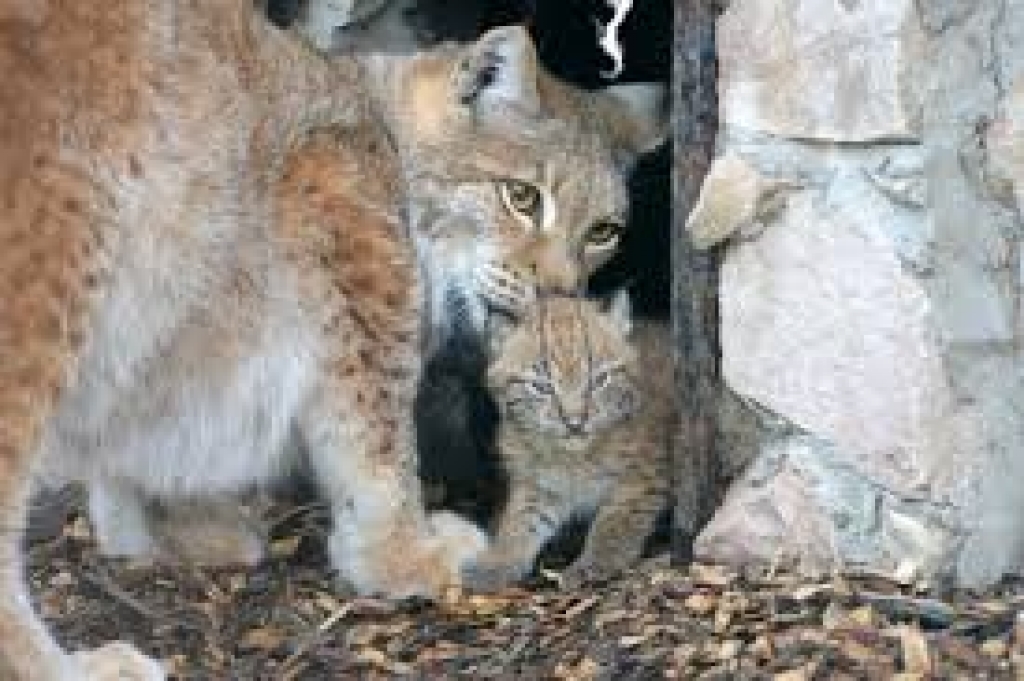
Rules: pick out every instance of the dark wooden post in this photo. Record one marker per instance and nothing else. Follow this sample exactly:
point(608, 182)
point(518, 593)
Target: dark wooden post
point(695, 273)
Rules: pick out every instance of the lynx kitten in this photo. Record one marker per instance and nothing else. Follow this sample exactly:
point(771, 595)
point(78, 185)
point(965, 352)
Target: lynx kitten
point(586, 403)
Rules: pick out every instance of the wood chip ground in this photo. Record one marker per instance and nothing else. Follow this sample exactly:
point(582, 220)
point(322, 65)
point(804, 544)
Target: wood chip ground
point(284, 621)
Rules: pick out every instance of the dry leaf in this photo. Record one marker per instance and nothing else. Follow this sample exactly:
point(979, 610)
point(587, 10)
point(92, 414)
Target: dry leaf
point(377, 658)
point(722, 619)
point(262, 638)
point(729, 649)
point(62, 580)
point(701, 603)
point(762, 648)
point(857, 652)
point(711, 575)
point(798, 674)
point(631, 641)
point(606, 618)
point(78, 529)
point(586, 670)
point(552, 576)
point(682, 654)
point(326, 601)
point(861, 617)
point(916, 656)
point(809, 591)
point(995, 647)
point(285, 547)
point(581, 607)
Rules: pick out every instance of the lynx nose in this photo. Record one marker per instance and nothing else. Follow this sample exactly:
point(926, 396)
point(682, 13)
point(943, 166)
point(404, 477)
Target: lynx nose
point(575, 424)
point(553, 268)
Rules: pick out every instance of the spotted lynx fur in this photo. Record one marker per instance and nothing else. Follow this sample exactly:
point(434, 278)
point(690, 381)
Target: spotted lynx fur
point(587, 413)
point(189, 279)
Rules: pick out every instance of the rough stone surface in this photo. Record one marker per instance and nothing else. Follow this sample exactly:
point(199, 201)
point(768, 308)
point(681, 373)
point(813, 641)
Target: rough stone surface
point(736, 198)
point(797, 68)
point(874, 319)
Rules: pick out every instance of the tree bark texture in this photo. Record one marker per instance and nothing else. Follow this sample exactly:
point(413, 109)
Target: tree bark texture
point(695, 273)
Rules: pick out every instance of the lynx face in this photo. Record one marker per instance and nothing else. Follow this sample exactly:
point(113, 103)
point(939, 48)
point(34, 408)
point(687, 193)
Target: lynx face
point(567, 370)
point(515, 181)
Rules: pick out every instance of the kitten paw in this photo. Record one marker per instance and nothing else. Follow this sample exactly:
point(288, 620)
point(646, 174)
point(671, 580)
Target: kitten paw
point(584, 572)
point(489, 576)
point(116, 661)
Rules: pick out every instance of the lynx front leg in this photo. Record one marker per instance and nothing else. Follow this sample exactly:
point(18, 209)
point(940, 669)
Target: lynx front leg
point(617, 536)
point(530, 519)
point(383, 541)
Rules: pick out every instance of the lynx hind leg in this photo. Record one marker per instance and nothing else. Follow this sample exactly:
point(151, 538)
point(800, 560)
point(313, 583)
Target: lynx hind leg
point(209, 532)
point(47, 251)
point(194, 531)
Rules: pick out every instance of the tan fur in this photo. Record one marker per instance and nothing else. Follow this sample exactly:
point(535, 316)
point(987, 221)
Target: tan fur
point(156, 339)
point(587, 409)
point(188, 283)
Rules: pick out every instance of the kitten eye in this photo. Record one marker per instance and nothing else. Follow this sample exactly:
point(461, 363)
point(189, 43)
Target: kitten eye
point(540, 387)
point(604, 233)
point(537, 385)
point(600, 379)
point(520, 197)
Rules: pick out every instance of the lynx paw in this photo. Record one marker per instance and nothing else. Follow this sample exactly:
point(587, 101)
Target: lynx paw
point(406, 562)
point(116, 661)
point(460, 541)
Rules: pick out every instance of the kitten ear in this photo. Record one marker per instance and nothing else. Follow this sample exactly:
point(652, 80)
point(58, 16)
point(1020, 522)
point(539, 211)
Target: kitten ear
point(499, 71)
point(620, 311)
point(637, 114)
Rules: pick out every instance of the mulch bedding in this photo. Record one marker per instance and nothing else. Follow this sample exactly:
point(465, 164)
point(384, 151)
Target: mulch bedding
point(284, 620)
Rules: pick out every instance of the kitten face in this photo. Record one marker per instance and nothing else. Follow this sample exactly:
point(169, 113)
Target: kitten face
point(566, 370)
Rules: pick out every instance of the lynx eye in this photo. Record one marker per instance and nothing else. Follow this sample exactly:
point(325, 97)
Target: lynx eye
point(604, 233)
point(520, 197)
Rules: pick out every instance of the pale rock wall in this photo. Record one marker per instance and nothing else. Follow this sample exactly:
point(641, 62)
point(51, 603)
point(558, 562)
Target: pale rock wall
point(869, 188)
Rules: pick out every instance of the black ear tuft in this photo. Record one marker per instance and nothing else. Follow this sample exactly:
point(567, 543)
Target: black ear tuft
point(637, 115)
point(499, 71)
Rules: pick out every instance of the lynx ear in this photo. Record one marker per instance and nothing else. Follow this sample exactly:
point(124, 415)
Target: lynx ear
point(637, 115)
point(620, 311)
point(499, 71)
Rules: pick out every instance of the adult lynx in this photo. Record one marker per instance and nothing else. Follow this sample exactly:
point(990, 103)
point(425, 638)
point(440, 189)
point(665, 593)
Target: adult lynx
point(185, 281)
